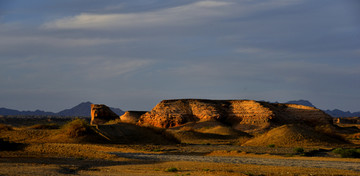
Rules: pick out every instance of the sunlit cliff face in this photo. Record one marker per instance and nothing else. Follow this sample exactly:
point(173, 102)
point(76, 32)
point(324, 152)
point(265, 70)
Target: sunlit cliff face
point(243, 115)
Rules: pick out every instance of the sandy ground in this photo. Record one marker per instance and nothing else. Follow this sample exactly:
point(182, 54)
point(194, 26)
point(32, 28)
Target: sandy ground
point(90, 159)
point(63, 166)
point(39, 156)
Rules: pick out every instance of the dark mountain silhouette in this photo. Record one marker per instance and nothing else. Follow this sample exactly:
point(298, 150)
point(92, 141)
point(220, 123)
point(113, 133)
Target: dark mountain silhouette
point(6, 111)
point(81, 110)
point(340, 113)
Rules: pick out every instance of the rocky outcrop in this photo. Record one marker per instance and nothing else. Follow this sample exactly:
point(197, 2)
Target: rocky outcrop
point(101, 114)
point(244, 115)
point(131, 116)
point(347, 120)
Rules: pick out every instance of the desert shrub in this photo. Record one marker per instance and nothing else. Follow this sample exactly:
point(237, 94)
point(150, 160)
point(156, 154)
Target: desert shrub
point(171, 169)
point(271, 145)
point(9, 146)
point(186, 128)
point(76, 128)
point(347, 153)
point(299, 150)
point(115, 121)
point(4, 127)
point(45, 126)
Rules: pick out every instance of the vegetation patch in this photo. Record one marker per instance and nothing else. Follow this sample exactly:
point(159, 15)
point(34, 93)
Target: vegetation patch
point(299, 150)
point(45, 126)
point(347, 153)
point(9, 146)
point(77, 128)
point(4, 127)
point(271, 145)
point(171, 169)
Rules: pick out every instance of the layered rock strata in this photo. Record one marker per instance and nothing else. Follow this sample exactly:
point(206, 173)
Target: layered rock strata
point(101, 114)
point(244, 115)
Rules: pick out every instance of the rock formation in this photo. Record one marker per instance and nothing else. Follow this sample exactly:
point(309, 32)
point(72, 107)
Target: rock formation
point(245, 115)
point(131, 116)
point(101, 114)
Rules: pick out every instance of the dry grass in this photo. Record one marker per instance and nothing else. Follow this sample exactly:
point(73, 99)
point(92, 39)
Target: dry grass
point(76, 128)
point(81, 167)
point(4, 127)
point(74, 156)
point(45, 126)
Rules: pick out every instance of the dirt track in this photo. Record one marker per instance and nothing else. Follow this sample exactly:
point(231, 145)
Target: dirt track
point(355, 166)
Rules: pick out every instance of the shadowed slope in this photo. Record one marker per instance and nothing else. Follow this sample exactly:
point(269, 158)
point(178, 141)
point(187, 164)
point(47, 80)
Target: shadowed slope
point(293, 135)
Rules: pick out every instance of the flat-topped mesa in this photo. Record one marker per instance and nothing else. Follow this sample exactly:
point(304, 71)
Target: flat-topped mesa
point(101, 114)
point(241, 114)
point(244, 115)
point(131, 116)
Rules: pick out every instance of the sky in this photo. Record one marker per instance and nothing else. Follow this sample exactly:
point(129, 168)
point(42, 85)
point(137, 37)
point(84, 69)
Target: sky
point(132, 54)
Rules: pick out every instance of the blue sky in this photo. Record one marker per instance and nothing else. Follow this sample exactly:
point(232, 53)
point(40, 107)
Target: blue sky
point(133, 54)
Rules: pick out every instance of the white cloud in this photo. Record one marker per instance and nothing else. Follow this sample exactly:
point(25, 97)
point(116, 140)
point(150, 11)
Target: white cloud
point(190, 13)
point(57, 41)
point(250, 50)
point(100, 68)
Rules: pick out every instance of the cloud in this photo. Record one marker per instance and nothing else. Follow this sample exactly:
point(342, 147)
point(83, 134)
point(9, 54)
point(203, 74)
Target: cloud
point(171, 16)
point(196, 13)
point(153, 50)
point(102, 68)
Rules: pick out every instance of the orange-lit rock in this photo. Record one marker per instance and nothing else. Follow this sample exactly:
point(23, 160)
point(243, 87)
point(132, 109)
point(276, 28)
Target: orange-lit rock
point(244, 115)
point(101, 114)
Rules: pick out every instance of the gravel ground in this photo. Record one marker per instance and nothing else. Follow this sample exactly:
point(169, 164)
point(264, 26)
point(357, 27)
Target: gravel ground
point(355, 166)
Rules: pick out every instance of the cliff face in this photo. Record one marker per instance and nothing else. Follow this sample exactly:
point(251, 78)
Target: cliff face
point(244, 115)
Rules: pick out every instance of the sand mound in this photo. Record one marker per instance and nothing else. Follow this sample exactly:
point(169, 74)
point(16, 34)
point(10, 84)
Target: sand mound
point(124, 133)
point(293, 135)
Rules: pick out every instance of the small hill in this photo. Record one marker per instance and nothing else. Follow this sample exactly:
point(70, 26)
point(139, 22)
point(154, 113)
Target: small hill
point(301, 102)
point(293, 135)
point(208, 132)
point(125, 133)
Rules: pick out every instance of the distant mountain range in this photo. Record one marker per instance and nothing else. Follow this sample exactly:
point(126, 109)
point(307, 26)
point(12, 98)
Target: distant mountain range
point(333, 113)
point(80, 110)
point(83, 110)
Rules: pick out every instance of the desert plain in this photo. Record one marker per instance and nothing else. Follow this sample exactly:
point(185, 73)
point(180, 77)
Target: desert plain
point(184, 137)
